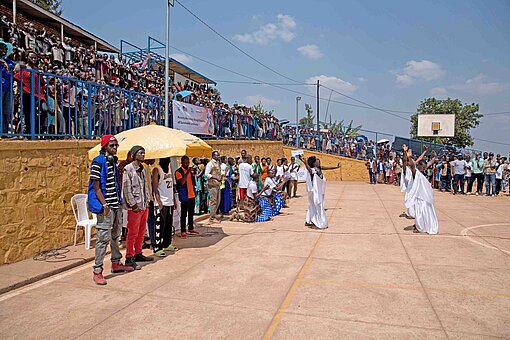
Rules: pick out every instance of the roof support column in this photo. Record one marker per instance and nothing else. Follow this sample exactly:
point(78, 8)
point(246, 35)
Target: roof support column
point(14, 11)
point(62, 32)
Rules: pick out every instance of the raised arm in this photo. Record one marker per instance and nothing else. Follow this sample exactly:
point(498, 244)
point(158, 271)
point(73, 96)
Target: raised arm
point(303, 159)
point(331, 167)
point(433, 160)
point(404, 156)
point(425, 149)
point(411, 162)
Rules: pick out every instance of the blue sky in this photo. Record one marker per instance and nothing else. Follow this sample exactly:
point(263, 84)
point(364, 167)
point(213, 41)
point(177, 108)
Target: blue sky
point(391, 55)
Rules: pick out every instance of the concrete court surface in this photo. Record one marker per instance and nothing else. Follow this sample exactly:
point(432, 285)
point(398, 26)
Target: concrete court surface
point(364, 277)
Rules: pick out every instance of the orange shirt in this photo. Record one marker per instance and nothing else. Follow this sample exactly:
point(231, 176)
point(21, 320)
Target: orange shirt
point(265, 172)
point(189, 182)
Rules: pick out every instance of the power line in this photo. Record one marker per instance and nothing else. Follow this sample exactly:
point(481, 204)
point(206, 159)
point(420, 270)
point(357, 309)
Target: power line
point(261, 83)
point(267, 83)
point(496, 113)
point(490, 141)
point(367, 104)
point(234, 45)
point(295, 82)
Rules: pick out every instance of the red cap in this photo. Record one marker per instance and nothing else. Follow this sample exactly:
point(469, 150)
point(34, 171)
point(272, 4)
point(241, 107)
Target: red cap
point(106, 139)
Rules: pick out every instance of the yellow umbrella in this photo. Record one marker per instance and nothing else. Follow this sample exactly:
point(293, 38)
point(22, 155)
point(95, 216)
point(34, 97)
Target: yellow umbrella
point(158, 142)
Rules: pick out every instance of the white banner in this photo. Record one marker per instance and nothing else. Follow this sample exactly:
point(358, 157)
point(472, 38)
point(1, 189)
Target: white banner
point(196, 120)
point(302, 168)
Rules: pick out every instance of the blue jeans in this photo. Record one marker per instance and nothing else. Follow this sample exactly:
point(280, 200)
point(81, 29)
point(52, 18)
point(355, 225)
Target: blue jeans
point(6, 111)
point(446, 182)
point(490, 180)
point(456, 180)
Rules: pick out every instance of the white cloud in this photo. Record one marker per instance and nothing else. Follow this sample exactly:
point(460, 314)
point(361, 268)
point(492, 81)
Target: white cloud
point(283, 29)
point(255, 99)
point(332, 82)
point(438, 92)
point(479, 86)
point(419, 70)
point(181, 57)
point(361, 79)
point(311, 51)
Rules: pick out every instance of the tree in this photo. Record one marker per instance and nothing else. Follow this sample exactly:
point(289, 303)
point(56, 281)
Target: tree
point(259, 108)
point(466, 118)
point(339, 128)
point(54, 6)
point(308, 120)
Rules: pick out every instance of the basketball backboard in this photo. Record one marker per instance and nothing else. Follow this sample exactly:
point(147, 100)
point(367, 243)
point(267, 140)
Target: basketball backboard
point(436, 125)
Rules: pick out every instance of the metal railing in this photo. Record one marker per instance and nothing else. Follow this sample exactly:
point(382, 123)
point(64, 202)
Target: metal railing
point(364, 146)
point(37, 105)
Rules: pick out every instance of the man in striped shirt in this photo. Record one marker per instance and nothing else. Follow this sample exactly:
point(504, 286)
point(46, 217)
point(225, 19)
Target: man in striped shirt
point(104, 200)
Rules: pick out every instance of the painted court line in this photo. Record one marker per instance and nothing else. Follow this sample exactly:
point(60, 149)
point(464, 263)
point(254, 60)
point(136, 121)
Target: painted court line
point(295, 285)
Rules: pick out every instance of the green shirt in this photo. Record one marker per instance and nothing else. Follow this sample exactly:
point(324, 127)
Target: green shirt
point(477, 165)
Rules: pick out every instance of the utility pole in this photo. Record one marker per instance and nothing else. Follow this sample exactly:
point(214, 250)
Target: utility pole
point(318, 116)
point(297, 120)
point(167, 62)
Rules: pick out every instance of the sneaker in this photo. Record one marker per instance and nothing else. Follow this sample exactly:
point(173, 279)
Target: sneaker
point(193, 232)
point(160, 253)
point(118, 267)
point(99, 279)
point(493, 195)
point(183, 235)
point(142, 258)
point(476, 193)
point(131, 262)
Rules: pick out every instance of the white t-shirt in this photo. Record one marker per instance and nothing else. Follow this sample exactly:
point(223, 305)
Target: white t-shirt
point(166, 186)
point(271, 185)
point(279, 170)
point(252, 189)
point(294, 171)
point(245, 172)
point(499, 171)
point(286, 172)
point(223, 168)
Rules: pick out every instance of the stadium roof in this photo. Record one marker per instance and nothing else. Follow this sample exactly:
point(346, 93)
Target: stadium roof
point(188, 72)
point(33, 11)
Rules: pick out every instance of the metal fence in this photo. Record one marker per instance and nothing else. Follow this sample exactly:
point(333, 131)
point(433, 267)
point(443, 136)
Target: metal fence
point(364, 146)
point(36, 104)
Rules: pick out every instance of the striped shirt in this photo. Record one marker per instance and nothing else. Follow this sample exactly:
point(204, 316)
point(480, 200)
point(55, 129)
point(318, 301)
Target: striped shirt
point(111, 196)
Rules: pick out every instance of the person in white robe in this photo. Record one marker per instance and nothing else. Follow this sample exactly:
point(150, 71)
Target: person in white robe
point(421, 196)
point(316, 188)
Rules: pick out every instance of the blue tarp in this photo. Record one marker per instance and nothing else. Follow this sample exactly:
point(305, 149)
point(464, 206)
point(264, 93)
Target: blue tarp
point(184, 94)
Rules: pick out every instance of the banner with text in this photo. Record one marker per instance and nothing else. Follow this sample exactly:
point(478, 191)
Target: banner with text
point(302, 168)
point(196, 120)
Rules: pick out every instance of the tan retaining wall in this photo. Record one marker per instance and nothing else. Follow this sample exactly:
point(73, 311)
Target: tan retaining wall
point(351, 169)
point(38, 179)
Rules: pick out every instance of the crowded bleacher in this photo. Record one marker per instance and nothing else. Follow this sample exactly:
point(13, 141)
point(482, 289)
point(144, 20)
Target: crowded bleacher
point(80, 92)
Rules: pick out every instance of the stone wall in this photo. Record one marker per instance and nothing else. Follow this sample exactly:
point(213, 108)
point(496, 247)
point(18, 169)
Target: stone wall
point(232, 148)
point(351, 169)
point(37, 181)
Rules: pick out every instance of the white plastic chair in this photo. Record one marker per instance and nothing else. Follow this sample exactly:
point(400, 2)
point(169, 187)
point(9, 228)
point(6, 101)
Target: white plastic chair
point(81, 215)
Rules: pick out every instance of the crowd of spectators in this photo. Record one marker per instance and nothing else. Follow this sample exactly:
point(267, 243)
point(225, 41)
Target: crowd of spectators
point(355, 147)
point(456, 173)
point(62, 101)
